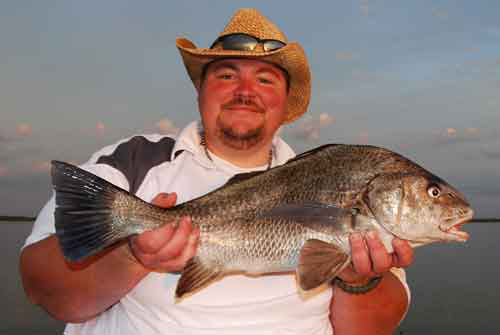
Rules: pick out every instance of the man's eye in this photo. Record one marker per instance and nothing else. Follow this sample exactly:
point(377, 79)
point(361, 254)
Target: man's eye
point(265, 80)
point(225, 76)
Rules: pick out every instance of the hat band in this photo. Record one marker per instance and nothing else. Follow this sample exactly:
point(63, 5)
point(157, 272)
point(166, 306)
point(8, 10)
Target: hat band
point(245, 42)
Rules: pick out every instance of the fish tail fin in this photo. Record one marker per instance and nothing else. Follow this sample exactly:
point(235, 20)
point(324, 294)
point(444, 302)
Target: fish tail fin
point(319, 263)
point(85, 221)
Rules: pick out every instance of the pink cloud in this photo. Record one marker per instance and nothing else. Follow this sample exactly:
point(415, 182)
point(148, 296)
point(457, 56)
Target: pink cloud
point(325, 119)
point(365, 7)
point(3, 171)
point(166, 126)
point(472, 131)
point(41, 166)
point(24, 129)
point(363, 138)
point(440, 13)
point(310, 128)
point(344, 56)
point(100, 127)
point(451, 131)
point(454, 135)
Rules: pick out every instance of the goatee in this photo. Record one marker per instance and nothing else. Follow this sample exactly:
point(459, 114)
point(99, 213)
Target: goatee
point(240, 141)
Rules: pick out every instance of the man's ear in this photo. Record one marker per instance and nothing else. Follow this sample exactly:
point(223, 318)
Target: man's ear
point(198, 88)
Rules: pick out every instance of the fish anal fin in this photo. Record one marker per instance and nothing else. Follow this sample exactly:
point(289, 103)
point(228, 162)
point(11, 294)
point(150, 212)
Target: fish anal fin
point(196, 276)
point(319, 262)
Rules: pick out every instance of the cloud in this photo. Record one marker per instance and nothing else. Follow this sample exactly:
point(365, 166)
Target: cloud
point(309, 129)
point(472, 50)
point(451, 132)
point(41, 166)
point(440, 13)
point(23, 129)
point(5, 141)
point(364, 7)
point(454, 135)
point(363, 138)
point(344, 56)
point(7, 147)
point(100, 128)
point(3, 171)
point(166, 127)
point(491, 154)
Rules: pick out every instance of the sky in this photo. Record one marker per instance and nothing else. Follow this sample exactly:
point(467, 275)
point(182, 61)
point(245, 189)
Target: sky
point(417, 77)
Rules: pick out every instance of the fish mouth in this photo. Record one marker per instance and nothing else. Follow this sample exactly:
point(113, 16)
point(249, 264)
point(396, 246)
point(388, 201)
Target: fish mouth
point(451, 227)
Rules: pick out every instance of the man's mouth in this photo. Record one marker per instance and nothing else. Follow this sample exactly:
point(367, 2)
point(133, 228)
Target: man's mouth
point(247, 108)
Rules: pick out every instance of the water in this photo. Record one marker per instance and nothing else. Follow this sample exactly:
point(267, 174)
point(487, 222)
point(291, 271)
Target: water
point(454, 287)
point(18, 315)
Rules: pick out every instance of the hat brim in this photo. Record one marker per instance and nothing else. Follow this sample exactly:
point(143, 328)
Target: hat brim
point(291, 58)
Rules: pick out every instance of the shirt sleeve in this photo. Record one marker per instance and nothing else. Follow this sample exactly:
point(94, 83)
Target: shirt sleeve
point(124, 164)
point(401, 275)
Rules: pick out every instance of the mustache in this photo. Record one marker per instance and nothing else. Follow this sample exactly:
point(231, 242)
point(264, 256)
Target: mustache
point(246, 101)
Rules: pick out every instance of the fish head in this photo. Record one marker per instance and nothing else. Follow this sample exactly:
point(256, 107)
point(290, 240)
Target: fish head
point(420, 208)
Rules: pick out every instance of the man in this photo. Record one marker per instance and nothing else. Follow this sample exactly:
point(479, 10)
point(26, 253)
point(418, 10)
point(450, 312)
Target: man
point(249, 83)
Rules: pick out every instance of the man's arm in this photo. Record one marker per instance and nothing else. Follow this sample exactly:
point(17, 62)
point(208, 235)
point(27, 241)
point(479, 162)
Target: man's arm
point(380, 310)
point(79, 292)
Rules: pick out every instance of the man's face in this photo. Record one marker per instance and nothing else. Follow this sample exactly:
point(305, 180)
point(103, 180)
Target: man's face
point(242, 102)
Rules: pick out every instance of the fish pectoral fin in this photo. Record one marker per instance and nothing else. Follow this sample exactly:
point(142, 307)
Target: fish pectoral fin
point(319, 262)
point(195, 276)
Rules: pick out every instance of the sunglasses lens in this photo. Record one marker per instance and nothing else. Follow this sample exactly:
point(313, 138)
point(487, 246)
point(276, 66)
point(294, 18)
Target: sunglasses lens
point(243, 42)
point(270, 45)
point(239, 42)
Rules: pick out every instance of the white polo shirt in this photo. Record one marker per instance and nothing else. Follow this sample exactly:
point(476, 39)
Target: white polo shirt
point(237, 304)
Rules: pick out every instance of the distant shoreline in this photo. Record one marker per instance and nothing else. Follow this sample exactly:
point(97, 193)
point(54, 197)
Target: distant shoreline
point(17, 218)
point(485, 220)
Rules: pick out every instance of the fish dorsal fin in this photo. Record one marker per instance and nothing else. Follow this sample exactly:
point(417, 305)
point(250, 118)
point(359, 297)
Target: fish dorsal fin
point(309, 152)
point(243, 176)
point(195, 276)
point(319, 263)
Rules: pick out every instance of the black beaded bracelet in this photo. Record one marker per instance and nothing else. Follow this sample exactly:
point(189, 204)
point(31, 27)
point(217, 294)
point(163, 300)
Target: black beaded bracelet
point(357, 289)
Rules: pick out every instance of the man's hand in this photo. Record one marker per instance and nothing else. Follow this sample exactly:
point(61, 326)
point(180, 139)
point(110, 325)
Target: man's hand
point(371, 259)
point(166, 249)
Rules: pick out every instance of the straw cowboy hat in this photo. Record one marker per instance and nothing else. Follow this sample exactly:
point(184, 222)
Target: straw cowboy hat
point(251, 24)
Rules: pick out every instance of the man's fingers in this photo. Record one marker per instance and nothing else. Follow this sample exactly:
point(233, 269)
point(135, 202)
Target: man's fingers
point(381, 259)
point(151, 242)
point(403, 253)
point(166, 248)
point(360, 257)
point(178, 241)
point(370, 257)
point(165, 200)
point(188, 252)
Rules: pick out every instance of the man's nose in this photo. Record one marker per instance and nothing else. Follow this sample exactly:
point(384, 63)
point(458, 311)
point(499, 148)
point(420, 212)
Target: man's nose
point(245, 88)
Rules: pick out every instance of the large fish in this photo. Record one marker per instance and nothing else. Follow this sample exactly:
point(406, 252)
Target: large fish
point(294, 217)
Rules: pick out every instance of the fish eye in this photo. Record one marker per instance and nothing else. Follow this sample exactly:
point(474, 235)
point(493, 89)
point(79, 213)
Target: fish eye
point(434, 191)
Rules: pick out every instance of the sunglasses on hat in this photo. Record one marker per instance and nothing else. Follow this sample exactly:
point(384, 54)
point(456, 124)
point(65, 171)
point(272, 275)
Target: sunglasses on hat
point(244, 42)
